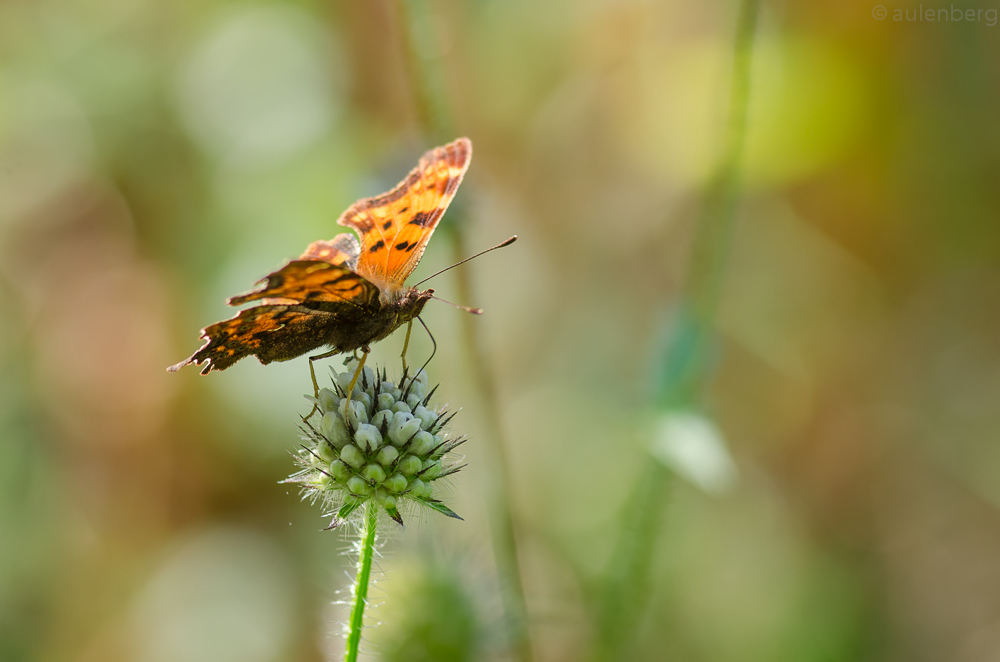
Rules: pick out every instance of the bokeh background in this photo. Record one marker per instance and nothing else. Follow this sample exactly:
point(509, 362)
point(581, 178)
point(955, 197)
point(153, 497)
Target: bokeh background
point(834, 493)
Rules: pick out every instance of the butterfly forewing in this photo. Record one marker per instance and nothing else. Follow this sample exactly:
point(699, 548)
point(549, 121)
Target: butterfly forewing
point(395, 226)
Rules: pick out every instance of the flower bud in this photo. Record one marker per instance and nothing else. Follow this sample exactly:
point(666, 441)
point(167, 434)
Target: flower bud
point(420, 381)
point(374, 473)
point(396, 483)
point(368, 438)
point(357, 485)
point(339, 470)
point(431, 469)
point(410, 465)
point(426, 416)
point(419, 488)
point(387, 455)
point(325, 451)
point(380, 416)
point(328, 400)
point(352, 456)
point(422, 443)
point(333, 428)
point(358, 414)
point(403, 427)
point(343, 380)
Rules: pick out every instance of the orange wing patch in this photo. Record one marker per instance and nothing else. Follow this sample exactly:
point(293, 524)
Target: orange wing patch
point(396, 226)
point(312, 281)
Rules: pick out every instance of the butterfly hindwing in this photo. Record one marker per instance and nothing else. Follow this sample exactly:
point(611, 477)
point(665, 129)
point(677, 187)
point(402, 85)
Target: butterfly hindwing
point(396, 226)
point(270, 332)
point(312, 282)
point(342, 249)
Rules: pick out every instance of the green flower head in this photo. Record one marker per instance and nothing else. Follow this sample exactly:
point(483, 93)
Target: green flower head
point(386, 442)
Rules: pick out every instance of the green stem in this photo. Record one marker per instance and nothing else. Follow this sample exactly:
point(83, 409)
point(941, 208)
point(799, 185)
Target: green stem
point(687, 367)
point(688, 362)
point(361, 582)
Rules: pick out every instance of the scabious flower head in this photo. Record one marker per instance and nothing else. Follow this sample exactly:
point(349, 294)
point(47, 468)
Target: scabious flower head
point(385, 443)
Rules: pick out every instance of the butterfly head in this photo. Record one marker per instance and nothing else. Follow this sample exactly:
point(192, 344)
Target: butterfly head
point(411, 302)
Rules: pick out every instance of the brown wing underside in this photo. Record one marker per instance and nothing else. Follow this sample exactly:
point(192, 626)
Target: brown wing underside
point(278, 333)
point(394, 227)
point(313, 282)
point(271, 333)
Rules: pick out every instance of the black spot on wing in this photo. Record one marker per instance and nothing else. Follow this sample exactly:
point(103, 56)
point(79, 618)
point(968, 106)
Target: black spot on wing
point(421, 219)
point(377, 246)
point(387, 225)
point(404, 246)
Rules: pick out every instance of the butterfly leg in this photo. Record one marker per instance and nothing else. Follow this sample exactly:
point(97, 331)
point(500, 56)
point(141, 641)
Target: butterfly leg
point(312, 373)
point(354, 380)
point(406, 343)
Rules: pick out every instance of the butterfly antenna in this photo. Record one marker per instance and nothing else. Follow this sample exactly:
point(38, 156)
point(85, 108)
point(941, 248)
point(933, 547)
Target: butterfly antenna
point(474, 311)
point(502, 244)
point(433, 342)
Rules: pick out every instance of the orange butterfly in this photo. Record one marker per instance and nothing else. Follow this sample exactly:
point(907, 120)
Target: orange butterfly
point(340, 294)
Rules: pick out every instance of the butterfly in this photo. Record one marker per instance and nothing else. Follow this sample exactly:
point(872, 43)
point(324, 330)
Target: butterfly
point(340, 293)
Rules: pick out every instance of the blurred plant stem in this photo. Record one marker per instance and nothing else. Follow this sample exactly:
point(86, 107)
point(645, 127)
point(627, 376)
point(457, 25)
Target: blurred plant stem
point(366, 550)
point(687, 366)
point(436, 122)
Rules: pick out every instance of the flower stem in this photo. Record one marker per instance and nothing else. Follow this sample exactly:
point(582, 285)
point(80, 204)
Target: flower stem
point(361, 582)
point(687, 366)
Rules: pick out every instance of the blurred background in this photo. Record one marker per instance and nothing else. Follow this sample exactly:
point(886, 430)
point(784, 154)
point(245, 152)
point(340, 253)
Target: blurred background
point(834, 492)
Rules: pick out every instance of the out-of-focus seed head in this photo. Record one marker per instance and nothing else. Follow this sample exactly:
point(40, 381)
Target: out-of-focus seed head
point(384, 443)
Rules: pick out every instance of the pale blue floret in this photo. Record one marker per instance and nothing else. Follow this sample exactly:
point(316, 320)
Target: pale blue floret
point(384, 415)
point(426, 416)
point(368, 438)
point(386, 401)
point(333, 428)
point(402, 428)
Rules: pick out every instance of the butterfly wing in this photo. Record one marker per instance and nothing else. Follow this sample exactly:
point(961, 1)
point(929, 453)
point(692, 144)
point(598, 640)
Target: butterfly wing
point(306, 304)
point(313, 282)
point(342, 249)
point(269, 332)
point(396, 226)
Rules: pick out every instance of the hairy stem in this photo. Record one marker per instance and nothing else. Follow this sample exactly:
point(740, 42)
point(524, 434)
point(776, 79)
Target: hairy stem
point(360, 588)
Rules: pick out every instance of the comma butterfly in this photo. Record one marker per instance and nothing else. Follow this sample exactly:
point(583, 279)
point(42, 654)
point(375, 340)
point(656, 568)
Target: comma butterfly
point(338, 293)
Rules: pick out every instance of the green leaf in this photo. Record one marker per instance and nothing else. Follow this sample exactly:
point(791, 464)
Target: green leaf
point(394, 514)
point(441, 508)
